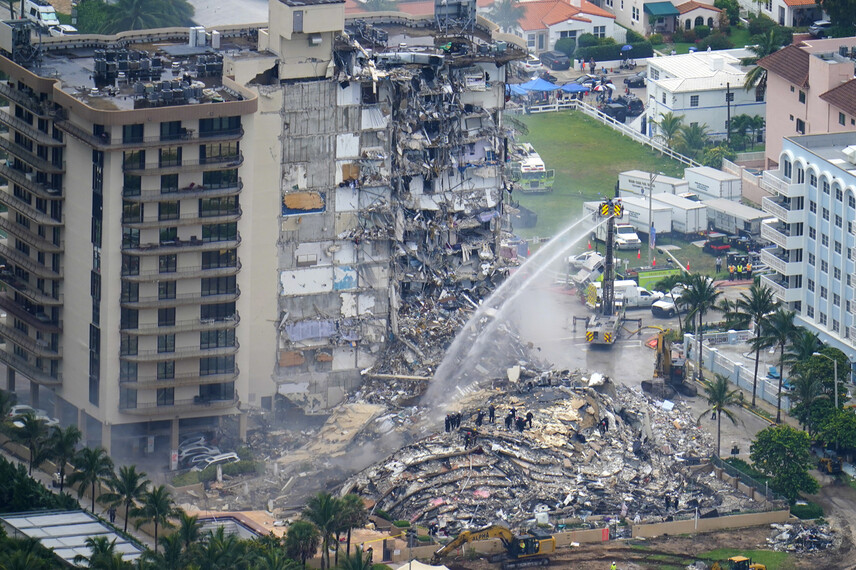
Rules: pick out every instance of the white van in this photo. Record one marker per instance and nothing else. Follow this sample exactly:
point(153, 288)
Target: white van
point(44, 15)
point(221, 459)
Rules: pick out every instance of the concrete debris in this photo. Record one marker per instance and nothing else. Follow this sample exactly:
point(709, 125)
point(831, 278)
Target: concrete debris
point(588, 453)
point(800, 537)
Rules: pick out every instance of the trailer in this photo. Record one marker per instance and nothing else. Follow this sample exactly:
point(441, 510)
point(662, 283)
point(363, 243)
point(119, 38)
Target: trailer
point(688, 217)
point(710, 183)
point(734, 218)
point(637, 182)
point(636, 214)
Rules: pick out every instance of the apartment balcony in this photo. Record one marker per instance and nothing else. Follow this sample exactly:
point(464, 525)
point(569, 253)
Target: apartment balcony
point(27, 156)
point(13, 122)
point(105, 142)
point(156, 302)
point(33, 240)
point(187, 193)
point(24, 368)
point(186, 219)
point(17, 258)
point(14, 203)
point(777, 207)
point(184, 272)
point(38, 348)
point(24, 289)
point(781, 289)
point(190, 325)
point(776, 259)
point(773, 182)
point(197, 404)
point(187, 165)
point(28, 182)
point(179, 245)
point(8, 90)
point(38, 320)
point(179, 354)
point(180, 380)
point(780, 235)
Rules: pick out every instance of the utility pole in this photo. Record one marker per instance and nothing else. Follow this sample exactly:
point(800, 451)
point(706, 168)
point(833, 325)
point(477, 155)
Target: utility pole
point(728, 112)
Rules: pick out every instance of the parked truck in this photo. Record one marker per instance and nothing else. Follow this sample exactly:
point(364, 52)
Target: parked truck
point(710, 183)
point(734, 218)
point(43, 14)
point(636, 214)
point(624, 236)
point(628, 294)
point(688, 217)
point(637, 183)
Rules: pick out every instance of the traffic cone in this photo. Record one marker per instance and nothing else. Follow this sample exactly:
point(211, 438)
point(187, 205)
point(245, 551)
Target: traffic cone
point(638, 254)
point(589, 244)
point(654, 262)
point(688, 265)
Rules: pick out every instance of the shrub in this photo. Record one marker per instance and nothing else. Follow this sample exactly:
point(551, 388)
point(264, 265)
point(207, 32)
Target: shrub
point(656, 39)
point(760, 25)
point(784, 36)
point(188, 478)
point(401, 524)
point(808, 511)
point(731, 8)
point(607, 41)
point(702, 32)
point(689, 36)
point(587, 40)
point(613, 52)
point(716, 41)
point(677, 36)
point(380, 513)
point(634, 37)
point(566, 46)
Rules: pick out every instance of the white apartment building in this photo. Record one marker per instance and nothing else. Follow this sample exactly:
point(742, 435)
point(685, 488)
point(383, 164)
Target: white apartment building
point(814, 236)
point(703, 88)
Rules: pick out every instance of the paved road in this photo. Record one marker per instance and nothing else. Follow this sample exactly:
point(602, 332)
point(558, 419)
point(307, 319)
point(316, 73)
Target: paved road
point(224, 12)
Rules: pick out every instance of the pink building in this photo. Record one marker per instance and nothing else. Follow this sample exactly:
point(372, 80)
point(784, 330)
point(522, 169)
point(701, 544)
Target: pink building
point(810, 89)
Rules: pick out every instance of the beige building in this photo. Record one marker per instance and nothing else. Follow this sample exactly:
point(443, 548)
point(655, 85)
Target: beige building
point(812, 86)
point(200, 222)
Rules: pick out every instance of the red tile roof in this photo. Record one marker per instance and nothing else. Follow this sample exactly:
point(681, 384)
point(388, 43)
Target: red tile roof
point(692, 5)
point(790, 62)
point(842, 97)
point(800, 2)
point(541, 14)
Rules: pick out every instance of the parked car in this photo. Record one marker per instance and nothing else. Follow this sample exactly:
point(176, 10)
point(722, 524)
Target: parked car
point(578, 261)
point(221, 459)
point(192, 440)
point(615, 110)
point(22, 410)
point(189, 452)
point(637, 79)
point(555, 60)
point(820, 28)
point(530, 65)
point(588, 80)
point(664, 307)
point(634, 105)
point(547, 76)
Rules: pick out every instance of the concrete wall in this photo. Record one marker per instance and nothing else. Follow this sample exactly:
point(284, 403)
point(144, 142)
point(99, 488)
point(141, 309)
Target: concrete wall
point(693, 526)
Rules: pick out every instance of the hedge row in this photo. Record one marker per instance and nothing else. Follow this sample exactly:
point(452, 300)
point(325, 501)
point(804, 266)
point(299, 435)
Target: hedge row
point(210, 473)
point(613, 52)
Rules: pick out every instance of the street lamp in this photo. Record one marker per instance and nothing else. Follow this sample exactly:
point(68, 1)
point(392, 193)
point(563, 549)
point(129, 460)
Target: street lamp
point(835, 365)
point(652, 178)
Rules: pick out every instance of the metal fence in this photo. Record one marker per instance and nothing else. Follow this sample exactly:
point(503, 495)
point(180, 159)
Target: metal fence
point(736, 372)
point(775, 501)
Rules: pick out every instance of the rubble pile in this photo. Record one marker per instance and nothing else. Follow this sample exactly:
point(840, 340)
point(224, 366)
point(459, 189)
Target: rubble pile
point(593, 449)
point(800, 537)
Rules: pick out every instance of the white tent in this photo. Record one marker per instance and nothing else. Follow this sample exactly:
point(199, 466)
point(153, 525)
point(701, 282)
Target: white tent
point(416, 565)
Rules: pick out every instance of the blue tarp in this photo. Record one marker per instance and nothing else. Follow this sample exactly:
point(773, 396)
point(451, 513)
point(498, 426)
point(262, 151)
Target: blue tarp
point(515, 89)
point(574, 88)
point(539, 85)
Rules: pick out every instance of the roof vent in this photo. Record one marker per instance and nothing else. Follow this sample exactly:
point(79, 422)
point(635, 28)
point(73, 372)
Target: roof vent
point(850, 153)
point(716, 63)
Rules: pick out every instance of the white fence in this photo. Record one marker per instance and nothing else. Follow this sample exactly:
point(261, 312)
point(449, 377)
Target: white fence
point(593, 112)
point(737, 373)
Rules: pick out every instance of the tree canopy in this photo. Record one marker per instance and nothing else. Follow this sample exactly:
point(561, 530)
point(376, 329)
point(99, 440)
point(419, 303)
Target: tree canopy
point(784, 453)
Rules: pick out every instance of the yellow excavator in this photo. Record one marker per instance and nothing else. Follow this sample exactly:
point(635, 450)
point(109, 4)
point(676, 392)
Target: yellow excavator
point(522, 551)
point(738, 563)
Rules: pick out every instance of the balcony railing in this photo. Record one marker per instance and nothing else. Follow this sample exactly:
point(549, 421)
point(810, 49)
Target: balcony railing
point(190, 325)
point(180, 354)
point(39, 348)
point(15, 203)
point(189, 405)
point(17, 258)
point(179, 245)
point(187, 165)
point(27, 156)
point(152, 302)
point(188, 192)
point(27, 181)
point(777, 207)
point(184, 272)
point(779, 234)
point(186, 219)
point(34, 295)
point(185, 379)
point(25, 99)
point(775, 258)
point(39, 320)
point(33, 240)
point(773, 182)
point(105, 142)
point(21, 366)
point(781, 290)
point(25, 128)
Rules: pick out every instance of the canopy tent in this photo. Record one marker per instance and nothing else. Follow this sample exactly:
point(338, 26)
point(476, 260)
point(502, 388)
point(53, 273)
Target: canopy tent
point(661, 9)
point(539, 85)
point(626, 47)
point(515, 89)
point(574, 88)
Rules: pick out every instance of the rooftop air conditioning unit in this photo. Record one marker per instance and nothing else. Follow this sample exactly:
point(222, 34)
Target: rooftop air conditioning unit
point(315, 39)
point(850, 153)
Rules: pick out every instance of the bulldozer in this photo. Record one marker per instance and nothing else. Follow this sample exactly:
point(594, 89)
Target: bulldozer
point(669, 371)
point(521, 551)
point(829, 465)
point(738, 563)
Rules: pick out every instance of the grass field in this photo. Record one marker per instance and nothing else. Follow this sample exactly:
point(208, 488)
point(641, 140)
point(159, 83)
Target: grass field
point(773, 560)
point(587, 157)
point(739, 38)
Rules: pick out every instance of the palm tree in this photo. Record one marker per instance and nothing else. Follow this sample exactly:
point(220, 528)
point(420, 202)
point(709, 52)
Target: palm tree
point(719, 399)
point(321, 510)
point(757, 304)
point(354, 515)
point(126, 489)
point(92, 467)
point(275, 560)
point(63, 447)
point(735, 319)
point(302, 541)
point(506, 14)
point(667, 284)
point(189, 529)
point(359, 561)
point(146, 14)
point(692, 139)
point(738, 127)
point(756, 126)
point(7, 400)
point(668, 127)
point(779, 331)
point(701, 295)
point(756, 78)
point(157, 506)
point(33, 433)
point(222, 551)
point(803, 346)
point(170, 558)
point(102, 555)
point(806, 389)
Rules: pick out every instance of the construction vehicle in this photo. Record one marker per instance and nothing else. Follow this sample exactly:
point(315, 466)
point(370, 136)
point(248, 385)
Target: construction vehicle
point(521, 551)
point(829, 465)
point(738, 563)
point(669, 371)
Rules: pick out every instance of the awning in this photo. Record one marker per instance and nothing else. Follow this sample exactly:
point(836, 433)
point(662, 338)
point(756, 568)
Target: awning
point(539, 85)
point(661, 9)
point(574, 88)
point(515, 89)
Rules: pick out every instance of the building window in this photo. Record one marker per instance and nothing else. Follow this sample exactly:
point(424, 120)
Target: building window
point(220, 179)
point(568, 34)
point(168, 211)
point(664, 98)
point(222, 152)
point(166, 317)
point(166, 396)
point(219, 232)
point(218, 259)
point(801, 126)
point(127, 346)
point(824, 240)
point(802, 96)
point(166, 343)
point(134, 159)
point(169, 183)
point(811, 285)
point(216, 365)
point(219, 126)
point(170, 156)
point(216, 339)
point(842, 119)
point(530, 41)
point(810, 312)
point(166, 370)
point(759, 95)
point(128, 370)
point(130, 265)
point(634, 13)
point(823, 292)
point(218, 206)
point(839, 195)
point(132, 134)
point(167, 263)
point(217, 312)
point(787, 168)
point(811, 259)
point(218, 286)
point(599, 31)
point(812, 206)
point(693, 100)
point(838, 247)
point(836, 273)
point(542, 42)
point(166, 290)
point(168, 236)
point(130, 292)
point(836, 299)
point(824, 266)
point(823, 319)
point(129, 318)
point(800, 175)
point(835, 325)
point(825, 214)
point(171, 131)
point(838, 221)
point(825, 186)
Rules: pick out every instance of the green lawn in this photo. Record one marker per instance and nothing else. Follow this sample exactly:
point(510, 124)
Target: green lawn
point(587, 157)
point(773, 560)
point(738, 37)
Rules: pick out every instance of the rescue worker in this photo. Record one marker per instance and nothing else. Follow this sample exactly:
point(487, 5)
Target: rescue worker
point(613, 567)
point(529, 417)
point(731, 273)
point(479, 417)
point(491, 413)
point(508, 421)
point(749, 270)
point(740, 271)
point(448, 423)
